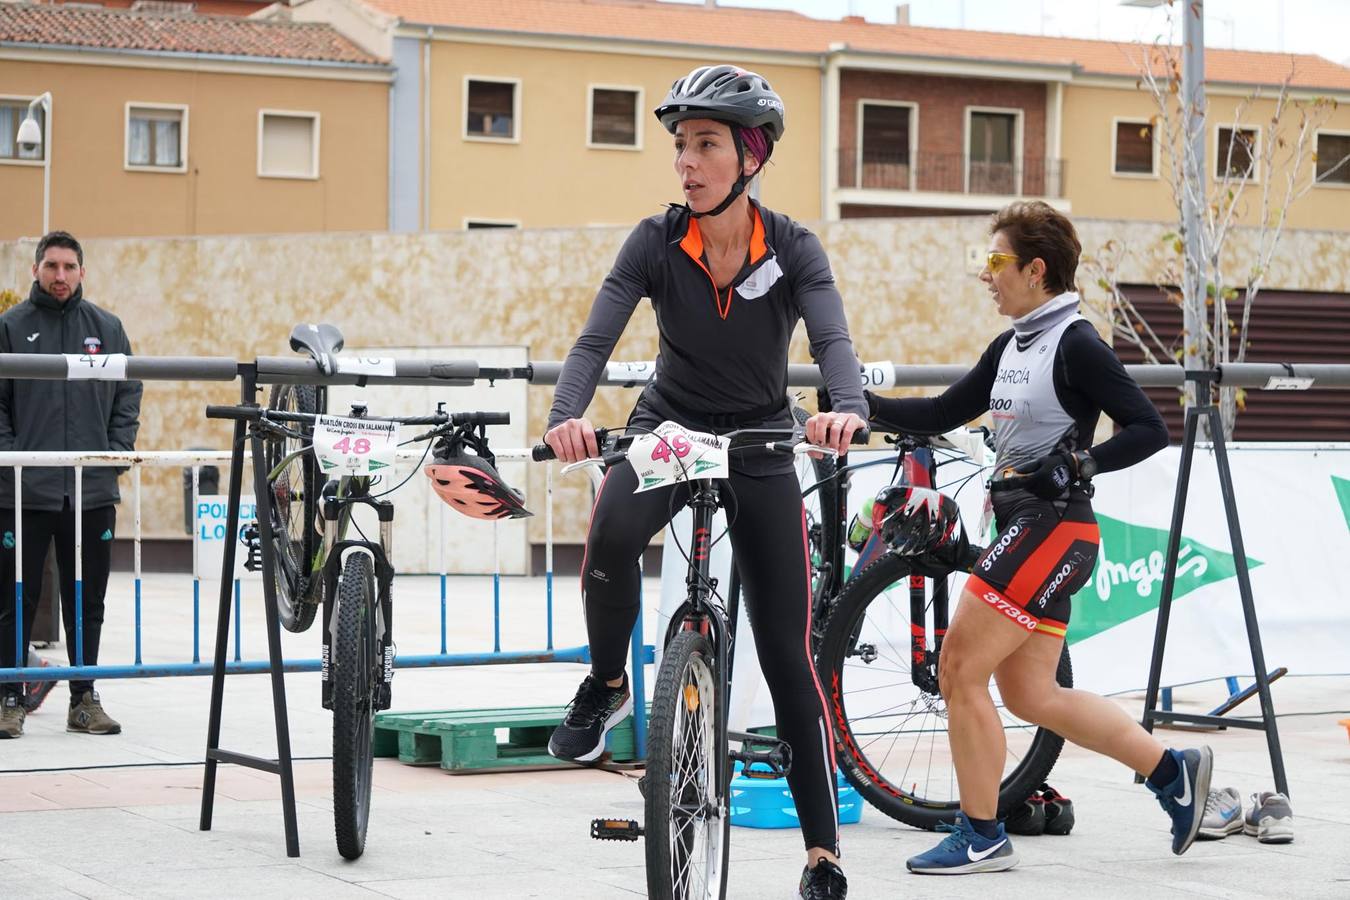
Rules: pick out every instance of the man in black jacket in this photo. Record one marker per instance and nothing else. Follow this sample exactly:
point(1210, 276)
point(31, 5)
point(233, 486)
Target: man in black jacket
point(71, 415)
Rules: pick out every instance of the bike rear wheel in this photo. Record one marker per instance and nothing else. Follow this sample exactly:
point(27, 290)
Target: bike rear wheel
point(292, 503)
point(891, 735)
point(354, 672)
point(687, 816)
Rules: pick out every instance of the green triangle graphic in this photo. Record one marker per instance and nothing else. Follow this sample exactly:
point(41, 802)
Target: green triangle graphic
point(1342, 486)
point(649, 480)
point(703, 465)
point(1127, 580)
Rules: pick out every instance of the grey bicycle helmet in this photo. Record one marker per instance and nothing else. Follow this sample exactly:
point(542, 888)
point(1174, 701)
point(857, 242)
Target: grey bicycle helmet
point(740, 99)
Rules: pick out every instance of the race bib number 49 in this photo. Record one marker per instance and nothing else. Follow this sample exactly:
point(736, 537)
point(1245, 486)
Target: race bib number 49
point(673, 454)
point(354, 446)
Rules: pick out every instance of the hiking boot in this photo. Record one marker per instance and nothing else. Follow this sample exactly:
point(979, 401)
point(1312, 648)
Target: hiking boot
point(1179, 799)
point(1223, 814)
point(36, 691)
point(1058, 811)
point(824, 882)
point(12, 715)
point(965, 851)
point(1270, 819)
point(88, 717)
point(592, 714)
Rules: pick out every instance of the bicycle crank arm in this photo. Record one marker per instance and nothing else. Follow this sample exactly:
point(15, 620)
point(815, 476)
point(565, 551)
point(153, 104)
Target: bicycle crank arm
point(615, 830)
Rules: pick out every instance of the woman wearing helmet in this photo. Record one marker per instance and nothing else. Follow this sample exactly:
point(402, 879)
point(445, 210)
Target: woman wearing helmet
point(728, 280)
point(1046, 381)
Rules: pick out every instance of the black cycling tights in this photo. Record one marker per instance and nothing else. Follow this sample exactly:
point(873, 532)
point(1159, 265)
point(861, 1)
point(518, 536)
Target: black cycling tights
point(768, 540)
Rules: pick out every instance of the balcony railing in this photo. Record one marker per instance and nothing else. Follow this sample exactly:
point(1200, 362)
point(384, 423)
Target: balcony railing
point(953, 173)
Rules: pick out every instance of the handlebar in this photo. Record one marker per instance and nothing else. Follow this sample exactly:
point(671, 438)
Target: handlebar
point(257, 413)
point(613, 453)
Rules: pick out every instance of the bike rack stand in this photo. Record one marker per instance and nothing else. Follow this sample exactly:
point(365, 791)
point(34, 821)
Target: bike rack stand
point(280, 766)
point(1204, 407)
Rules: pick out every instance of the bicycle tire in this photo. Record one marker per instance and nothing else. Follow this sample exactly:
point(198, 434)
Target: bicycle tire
point(682, 746)
point(354, 672)
point(880, 777)
point(295, 533)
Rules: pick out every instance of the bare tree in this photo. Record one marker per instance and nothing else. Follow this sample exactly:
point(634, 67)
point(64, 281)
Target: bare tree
point(1254, 186)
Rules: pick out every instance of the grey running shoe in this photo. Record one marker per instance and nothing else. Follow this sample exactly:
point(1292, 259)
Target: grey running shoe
point(88, 717)
point(1223, 814)
point(12, 715)
point(1270, 820)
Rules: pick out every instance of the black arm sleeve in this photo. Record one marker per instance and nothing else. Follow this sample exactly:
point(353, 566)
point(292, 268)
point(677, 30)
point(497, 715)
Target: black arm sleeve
point(1092, 369)
point(823, 311)
point(967, 399)
point(618, 296)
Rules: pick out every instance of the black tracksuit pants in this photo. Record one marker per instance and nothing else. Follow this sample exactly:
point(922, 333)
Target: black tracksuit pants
point(768, 539)
point(39, 527)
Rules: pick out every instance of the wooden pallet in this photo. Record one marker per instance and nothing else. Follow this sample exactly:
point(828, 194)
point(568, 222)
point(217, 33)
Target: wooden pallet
point(468, 740)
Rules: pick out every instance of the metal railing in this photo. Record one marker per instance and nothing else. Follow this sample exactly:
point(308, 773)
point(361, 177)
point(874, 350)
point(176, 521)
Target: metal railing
point(950, 173)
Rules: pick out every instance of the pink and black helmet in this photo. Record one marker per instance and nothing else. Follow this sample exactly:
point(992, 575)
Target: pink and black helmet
point(471, 485)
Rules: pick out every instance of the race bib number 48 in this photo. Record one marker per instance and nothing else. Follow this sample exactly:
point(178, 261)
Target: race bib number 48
point(354, 446)
point(675, 454)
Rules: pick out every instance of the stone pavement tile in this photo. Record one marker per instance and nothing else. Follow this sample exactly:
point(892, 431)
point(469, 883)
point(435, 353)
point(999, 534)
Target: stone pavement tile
point(31, 879)
point(14, 798)
point(504, 887)
point(255, 882)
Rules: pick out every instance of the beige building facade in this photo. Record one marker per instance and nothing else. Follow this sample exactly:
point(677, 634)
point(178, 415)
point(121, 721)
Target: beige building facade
point(147, 142)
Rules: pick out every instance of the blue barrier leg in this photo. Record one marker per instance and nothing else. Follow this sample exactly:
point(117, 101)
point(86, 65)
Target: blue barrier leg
point(196, 620)
point(496, 613)
point(238, 623)
point(1167, 698)
point(1233, 687)
point(639, 681)
point(548, 603)
point(20, 651)
point(442, 613)
point(138, 621)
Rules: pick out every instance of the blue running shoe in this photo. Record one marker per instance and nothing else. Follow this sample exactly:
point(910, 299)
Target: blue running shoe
point(1184, 799)
point(965, 852)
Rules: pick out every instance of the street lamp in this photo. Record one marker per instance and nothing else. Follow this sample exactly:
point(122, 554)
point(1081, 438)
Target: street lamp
point(30, 137)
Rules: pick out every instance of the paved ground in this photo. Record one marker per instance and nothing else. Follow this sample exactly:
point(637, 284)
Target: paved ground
point(117, 816)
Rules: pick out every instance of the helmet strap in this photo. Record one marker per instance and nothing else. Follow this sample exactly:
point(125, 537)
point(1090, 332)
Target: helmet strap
point(741, 181)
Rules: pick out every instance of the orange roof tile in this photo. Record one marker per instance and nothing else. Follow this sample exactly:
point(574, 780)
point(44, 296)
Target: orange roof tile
point(786, 31)
point(118, 29)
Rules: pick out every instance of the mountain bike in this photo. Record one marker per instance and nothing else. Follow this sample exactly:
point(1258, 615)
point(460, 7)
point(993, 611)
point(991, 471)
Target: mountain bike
point(879, 629)
point(355, 573)
point(686, 788)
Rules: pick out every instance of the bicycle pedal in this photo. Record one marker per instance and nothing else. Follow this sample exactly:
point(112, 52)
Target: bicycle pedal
point(615, 830)
point(252, 540)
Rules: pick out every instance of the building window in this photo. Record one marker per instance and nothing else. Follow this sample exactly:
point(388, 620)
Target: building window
point(288, 144)
point(1236, 153)
point(615, 117)
point(992, 151)
point(885, 143)
point(1133, 148)
point(156, 137)
point(13, 110)
point(1333, 157)
point(492, 109)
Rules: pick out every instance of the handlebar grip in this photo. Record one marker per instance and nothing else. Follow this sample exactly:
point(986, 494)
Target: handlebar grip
point(237, 413)
point(495, 418)
point(542, 453)
point(861, 436)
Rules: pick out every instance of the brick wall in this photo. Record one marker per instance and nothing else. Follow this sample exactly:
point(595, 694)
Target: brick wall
point(942, 103)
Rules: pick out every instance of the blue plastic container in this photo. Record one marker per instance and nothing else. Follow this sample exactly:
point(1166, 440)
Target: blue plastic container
point(767, 802)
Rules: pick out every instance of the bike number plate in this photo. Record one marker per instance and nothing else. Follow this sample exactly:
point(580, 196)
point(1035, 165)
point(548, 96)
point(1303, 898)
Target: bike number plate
point(366, 365)
point(674, 454)
point(354, 446)
point(96, 366)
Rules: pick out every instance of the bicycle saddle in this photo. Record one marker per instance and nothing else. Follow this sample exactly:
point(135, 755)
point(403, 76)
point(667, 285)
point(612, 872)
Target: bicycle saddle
point(320, 341)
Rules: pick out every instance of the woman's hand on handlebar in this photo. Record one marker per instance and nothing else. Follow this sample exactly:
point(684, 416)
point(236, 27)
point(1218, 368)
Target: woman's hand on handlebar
point(573, 440)
point(833, 430)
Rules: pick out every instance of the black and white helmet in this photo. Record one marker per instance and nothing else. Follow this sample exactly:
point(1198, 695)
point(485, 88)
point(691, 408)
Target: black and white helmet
point(727, 94)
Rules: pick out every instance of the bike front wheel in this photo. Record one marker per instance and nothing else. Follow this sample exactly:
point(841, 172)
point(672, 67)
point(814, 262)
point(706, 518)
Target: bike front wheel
point(891, 734)
point(354, 672)
point(687, 814)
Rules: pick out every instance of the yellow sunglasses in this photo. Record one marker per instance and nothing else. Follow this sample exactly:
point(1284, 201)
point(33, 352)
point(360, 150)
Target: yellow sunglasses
point(997, 262)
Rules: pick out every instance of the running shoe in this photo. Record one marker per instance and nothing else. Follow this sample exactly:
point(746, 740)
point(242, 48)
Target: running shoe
point(1223, 814)
point(592, 714)
point(1270, 820)
point(965, 852)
